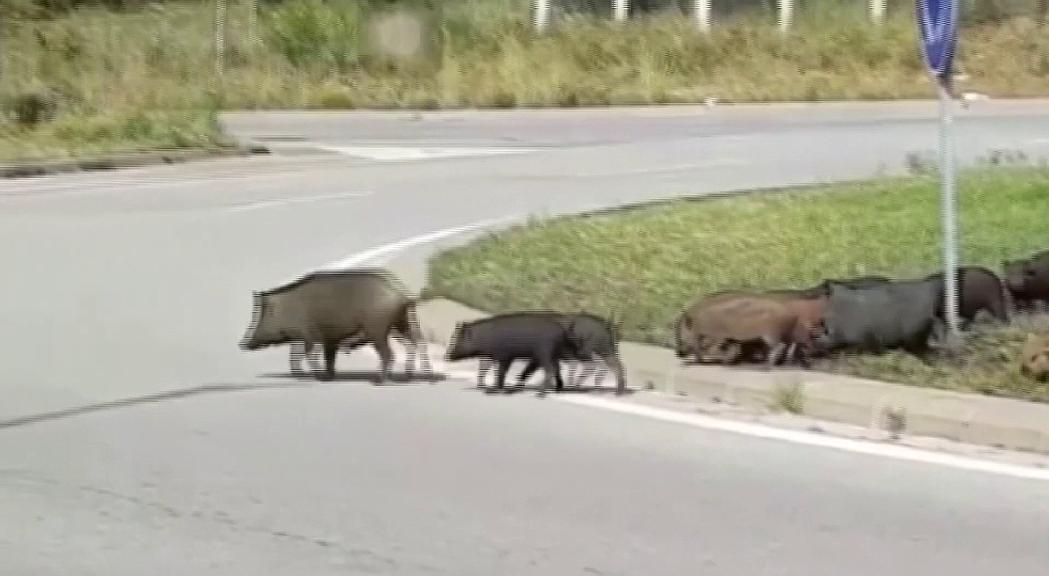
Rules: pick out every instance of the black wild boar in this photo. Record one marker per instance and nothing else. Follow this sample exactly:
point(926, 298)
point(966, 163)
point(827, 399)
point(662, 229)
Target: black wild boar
point(978, 289)
point(875, 318)
point(329, 307)
point(593, 339)
point(537, 336)
point(1027, 280)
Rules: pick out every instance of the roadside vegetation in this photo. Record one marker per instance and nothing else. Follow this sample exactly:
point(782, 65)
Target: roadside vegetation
point(644, 265)
point(82, 77)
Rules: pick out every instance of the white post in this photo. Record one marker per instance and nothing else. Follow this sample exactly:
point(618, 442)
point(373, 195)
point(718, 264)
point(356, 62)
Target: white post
point(253, 16)
point(620, 9)
point(702, 13)
point(542, 14)
point(949, 210)
point(877, 11)
point(786, 14)
point(220, 35)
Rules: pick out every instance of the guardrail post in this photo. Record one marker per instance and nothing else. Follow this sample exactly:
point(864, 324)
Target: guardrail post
point(786, 15)
point(542, 15)
point(877, 11)
point(220, 35)
point(702, 13)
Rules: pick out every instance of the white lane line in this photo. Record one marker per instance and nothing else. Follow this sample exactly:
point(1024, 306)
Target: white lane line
point(403, 153)
point(713, 163)
point(700, 421)
point(248, 206)
point(388, 249)
point(810, 439)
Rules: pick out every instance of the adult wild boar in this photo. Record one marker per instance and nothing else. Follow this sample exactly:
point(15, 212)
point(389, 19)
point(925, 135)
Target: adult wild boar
point(329, 307)
point(875, 318)
point(503, 338)
point(978, 289)
point(1027, 280)
point(592, 339)
point(710, 328)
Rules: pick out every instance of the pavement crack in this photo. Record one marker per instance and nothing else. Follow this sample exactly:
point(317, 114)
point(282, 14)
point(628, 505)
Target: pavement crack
point(363, 558)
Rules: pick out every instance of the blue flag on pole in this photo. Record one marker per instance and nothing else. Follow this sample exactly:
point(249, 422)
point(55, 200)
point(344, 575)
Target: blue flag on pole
point(938, 28)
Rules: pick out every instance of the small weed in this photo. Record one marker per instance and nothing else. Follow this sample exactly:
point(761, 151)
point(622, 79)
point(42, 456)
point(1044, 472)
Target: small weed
point(789, 398)
point(895, 421)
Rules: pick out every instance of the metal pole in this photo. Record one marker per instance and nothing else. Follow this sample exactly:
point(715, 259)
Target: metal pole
point(949, 209)
point(620, 9)
point(542, 14)
point(702, 11)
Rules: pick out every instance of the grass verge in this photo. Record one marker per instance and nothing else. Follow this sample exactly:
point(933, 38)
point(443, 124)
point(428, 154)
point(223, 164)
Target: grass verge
point(95, 80)
point(644, 265)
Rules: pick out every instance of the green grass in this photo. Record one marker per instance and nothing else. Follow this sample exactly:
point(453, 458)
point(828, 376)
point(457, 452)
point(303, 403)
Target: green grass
point(645, 265)
point(100, 80)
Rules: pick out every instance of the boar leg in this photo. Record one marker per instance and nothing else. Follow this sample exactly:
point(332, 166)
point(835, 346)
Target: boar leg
point(298, 350)
point(529, 369)
point(414, 334)
point(616, 364)
point(551, 372)
point(776, 349)
point(482, 368)
point(382, 346)
point(500, 372)
point(534, 365)
point(331, 349)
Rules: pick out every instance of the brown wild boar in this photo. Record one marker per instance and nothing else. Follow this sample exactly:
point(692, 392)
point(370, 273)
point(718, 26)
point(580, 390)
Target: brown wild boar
point(328, 307)
point(1034, 360)
point(709, 327)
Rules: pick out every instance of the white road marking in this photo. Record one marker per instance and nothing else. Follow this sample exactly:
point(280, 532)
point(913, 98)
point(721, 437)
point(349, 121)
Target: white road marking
point(811, 439)
point(712, 163)
point(293, 200)
point(403, 153)
point(392, 247)
point(701, 421)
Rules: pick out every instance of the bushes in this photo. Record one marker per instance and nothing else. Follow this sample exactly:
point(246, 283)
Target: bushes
point(472, 53)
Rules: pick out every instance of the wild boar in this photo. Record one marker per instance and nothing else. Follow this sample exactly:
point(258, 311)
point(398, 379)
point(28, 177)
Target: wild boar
point(541, 337)
point(709, 328)
point(875, 318)
point(1034, 359)
point(1027, 280)
point(329, 307)
point(593, 339)
point(978, 289)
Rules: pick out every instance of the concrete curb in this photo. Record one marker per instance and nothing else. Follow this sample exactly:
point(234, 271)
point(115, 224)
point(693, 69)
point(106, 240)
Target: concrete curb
point(42, 168)
point(970, 418)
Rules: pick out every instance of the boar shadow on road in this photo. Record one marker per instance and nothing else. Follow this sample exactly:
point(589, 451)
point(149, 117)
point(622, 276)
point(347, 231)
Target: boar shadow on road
point(137, 400)
point(514, 389)
point(395, 378)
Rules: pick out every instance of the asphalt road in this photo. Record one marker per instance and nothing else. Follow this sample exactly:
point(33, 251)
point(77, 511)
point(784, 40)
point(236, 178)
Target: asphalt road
point(135, 435)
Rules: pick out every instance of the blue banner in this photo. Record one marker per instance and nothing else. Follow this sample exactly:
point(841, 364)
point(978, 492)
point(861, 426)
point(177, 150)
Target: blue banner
point(938, 30)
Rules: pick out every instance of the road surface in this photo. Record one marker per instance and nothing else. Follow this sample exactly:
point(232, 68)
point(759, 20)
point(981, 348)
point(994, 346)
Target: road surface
point(134, 434)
